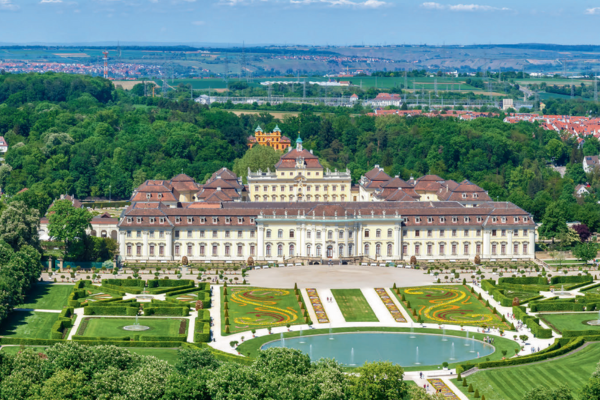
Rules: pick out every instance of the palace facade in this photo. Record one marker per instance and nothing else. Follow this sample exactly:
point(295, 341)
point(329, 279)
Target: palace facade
point(273, 139)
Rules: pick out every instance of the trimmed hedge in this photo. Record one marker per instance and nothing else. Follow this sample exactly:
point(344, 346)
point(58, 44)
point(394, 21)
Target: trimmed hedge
point(101, 338)
point(111, 310)
point(203, 315)
point(529, 280)
point(575, 343)
point(532, 322)
point(587, 332)
point(169, 283)
point(571, 279)
point(133, 286)
point(126, 343)
point(563, 305)
point(182, 338)
point(30, 342)
point(169, 311)
point(64, 321)
point(201, 332)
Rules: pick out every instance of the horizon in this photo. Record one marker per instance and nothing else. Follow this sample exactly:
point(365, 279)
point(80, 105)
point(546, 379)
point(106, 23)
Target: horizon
point(310, 22)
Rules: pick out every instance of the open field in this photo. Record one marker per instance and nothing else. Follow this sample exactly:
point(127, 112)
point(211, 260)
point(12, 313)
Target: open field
point(276, 114)
point(256, 308)
point(571, 321)
point(512, 383)
point(449, 305)
point(354, 306)
point(28, 324)
point(128, 85)
point(47, 297)
point(113, 327)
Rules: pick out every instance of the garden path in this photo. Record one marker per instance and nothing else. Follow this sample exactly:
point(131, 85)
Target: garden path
point(331, 308)
point(78, 315)
point(192, 326)
point(38, 310)
point(400, 306)
point(310, 309)
point(383, 314)
point(456, 390)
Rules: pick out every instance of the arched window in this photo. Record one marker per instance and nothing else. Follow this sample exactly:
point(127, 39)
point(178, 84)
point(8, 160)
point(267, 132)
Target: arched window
point(378, 233)
point(291, 233)
point(128, 249)
point(366, 249)
point(103, 234)
point(308, 250)
point(268, 233)
point(280, 233)
point(389, 250)
point(334, 197)
point(466, 249)
point(318, 251)
point(291, 197)
point(215, 250)
point(442, 248)
point(176, 249)
point(343, 197)
point(274, 198)
point(329, 234)
point(291, 250)
point(378, 250)
point(256, 198)
point(341, 251)
point(268, 250)
point(350, 249)
point(266, 198)
point(309, 198)
point(317, 198)
point(202, 250)
point(280, 250)
point(282, 197)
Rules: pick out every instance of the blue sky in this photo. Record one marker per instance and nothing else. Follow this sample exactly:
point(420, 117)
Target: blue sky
point(316, 22)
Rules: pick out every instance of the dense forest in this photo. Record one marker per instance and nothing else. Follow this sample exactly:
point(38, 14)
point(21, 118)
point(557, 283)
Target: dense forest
point(80, 135)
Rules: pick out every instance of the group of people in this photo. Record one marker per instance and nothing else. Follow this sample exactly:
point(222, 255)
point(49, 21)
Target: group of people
point(488, 340)
point(330, 299)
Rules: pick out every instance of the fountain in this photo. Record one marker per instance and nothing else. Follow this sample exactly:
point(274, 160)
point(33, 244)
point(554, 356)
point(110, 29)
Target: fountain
point(595, 322)
point(330, 332)
point(352, 357)
point(472, 345)
point(417, 362)
point(136, 326)
point(467, 343)
point(563, 292)
point(444, 338)
point(452, 358)
point(310, 352)
point(282, 339)
point(144, 296)
point(412, 336)
point(301, 341)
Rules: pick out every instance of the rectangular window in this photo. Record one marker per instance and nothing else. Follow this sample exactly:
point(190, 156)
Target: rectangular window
point(161, 234)
point(152, 234)
point(453, 232)
point(138, 234)
point(177, 250)
point(493, 232)
point(189, 234)
point(138, 250)
point(494, 249)
point(503, 232)
point(417, 233)
point(227, 250)
point(429, 250)
point(152, 250)
point(442, 248)
point(442, 233)
point(227, 234)
point(516, 232)
point(239, 252)
point(128, 234)
point(466, 249)
point(405, 249)
point(478, 248)
point(215, 250)
point(429, 233)
point(215, 235)
point(189, 250)
point(201, 234)
point(417, 249)
point(466, 233)
point(240, 235)
point(252, 234)
point(453, 249)
point(176, 234)
point(341, 234)
point(478, 232)
point(202, 250)
point(161, 250)
point(516, 248)
point(503, 249)
point(252, 250)
point(524, 248)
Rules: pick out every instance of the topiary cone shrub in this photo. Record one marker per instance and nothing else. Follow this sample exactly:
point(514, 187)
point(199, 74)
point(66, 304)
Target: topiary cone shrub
point(225, 306)
point(470, 389)
point(483, 397)
point(408, 304)
point(227, 329)
point(479, 297)
point(476, 395)
point(414, 312)
point(227, 321)
point(403, 297)
point(459, 378)
point(225, 291)
point(226, 315)
point(465, 382)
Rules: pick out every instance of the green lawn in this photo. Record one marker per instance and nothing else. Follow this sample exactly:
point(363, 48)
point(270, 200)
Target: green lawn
point(571, 322)
point(259, 308)
point(251, 347)
point(113, 327)
point(28, 324)
point(354, 306)
point(16, 349)
point(47, 297)
point(511, 383)
point(454, 305)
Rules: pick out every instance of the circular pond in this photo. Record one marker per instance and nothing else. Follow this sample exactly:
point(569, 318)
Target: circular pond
point(404, 349)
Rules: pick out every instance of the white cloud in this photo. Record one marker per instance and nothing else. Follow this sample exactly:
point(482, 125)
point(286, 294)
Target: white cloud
point(462, 7)
point(593, 11)
point(198, 23)
point(343, 3)
point(8, 5)
point(51, 1)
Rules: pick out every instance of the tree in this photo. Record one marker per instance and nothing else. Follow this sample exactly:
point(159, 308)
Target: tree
point(380, 380)
point(583, 231)
point(19, 226)
point(544, 393)
point(194, 359)
point(586, 251)
point(68, 224)
point(591, 391)
point(418, 393)
point(555, 149)
point(554, 221)
point(258, 157)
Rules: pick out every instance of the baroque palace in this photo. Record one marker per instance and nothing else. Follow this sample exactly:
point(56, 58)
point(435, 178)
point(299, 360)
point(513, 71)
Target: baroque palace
point(301, 213)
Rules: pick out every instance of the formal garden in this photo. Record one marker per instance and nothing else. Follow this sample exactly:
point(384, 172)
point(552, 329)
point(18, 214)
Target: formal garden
point(353, 305)
point(248, 308)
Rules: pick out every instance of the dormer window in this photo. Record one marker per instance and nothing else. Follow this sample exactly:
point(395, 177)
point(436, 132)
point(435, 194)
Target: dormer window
point(442, 219)
point(429, 219)
point(139, 220)
point(479, 219)
point(475, 195)
point(516, 219)
point(454, 219)
point(417, 219)
point(202, 220)
point(464, 195)
point(467, 219)
point(503, 220)
point(129, 220)
point(525, 219)
point(177, 220)
point(215, 219)
point(494, 219)
point(240, 220)
point(190, 219)
point(148, 196)
point(161, 220)
point(227, 220)
point(152, 219)
point(159, 195)
point(251, 220)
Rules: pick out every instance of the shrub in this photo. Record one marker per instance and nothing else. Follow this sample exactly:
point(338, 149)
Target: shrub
point(476, 395)
point(459, 378)
point(464, 382)
point(202, 331)
point(470, 389)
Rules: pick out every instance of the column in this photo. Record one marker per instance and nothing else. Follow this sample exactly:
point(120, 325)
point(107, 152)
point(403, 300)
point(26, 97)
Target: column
point(486, 244)
point(314, 240)
point(324, 244)
point(260, 251)
point(169, 246)
point(359, 245)
point(397, 232)
point(531, 244)
point(122, 246)
point(145, 246)
point(510, 253)
point(300, 241)
point(336, 232)
point(347, 248)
